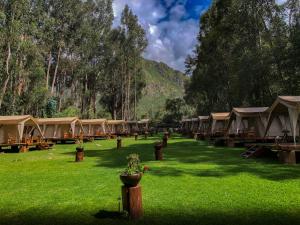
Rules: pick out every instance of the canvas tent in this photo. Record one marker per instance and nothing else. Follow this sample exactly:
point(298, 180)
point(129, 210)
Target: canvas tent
point(194, 125)
point(132, 127)
point(218, 122)
point(184, 125)
point(143, 125)
point(116, 127)
point(60, 128)
point(248, 120)
point(18, 129)
point(93, 127)
point(188, 125)
point(203, 124)
point(284, 116)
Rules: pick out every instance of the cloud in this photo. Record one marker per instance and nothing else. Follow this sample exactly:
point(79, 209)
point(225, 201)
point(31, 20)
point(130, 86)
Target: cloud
point(170, 30)
point(280, 2)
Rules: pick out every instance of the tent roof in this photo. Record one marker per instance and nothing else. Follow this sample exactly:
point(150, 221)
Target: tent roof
point(15, 119)
point(144, 121)
point(250, 110)
point(203, 117)
point(60, 120)
point(290, 99)
point(220, 116)
point(285, 102)
point(93, 121)
point(281, 106)
point(131, 122)
point(116, 121)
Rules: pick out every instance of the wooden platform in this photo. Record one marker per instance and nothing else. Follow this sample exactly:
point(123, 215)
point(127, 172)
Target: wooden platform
point(286, 152)
point(25, 147)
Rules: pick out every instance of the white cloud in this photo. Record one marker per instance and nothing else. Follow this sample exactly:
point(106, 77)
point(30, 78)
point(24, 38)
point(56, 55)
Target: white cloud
point(171, 40)
point(280, 2)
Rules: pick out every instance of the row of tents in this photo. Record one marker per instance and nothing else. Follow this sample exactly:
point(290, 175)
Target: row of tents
point(281, 120)
point(20, 130)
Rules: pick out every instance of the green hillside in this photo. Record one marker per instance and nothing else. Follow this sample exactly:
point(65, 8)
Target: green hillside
point(162, 82)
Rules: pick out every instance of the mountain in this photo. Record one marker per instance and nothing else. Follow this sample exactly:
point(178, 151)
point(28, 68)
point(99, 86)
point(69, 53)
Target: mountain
point(162, 82)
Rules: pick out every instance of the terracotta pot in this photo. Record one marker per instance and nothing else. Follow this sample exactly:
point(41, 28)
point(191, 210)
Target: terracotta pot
point(79, 154)
point(131, 180)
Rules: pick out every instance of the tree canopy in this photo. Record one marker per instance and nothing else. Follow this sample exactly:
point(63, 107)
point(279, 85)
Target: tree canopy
point(64, 56)
point(247, 54)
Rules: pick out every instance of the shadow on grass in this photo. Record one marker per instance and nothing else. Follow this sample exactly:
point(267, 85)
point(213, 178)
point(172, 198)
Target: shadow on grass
point(224, 161)
point(204, 217)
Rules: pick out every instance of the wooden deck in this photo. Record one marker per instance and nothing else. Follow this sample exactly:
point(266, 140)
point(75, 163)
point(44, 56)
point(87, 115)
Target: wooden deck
point(24, 147)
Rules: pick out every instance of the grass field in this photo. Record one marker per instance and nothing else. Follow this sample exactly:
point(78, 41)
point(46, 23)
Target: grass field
point(195, 184)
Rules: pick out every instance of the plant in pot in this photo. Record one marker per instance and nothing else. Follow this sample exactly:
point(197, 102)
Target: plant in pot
point(132, 175)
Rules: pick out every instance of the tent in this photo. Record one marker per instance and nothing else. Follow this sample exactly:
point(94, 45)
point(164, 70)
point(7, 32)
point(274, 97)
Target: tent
point(93, 127)
point(18, 129)
point(116, 127)
point(194, 125)
point(248, 120)
point(218, 122)
point(284, 117)
point(143, 125)
point(61, 128)
point(132, 127)
point(203, 124)
point(185, 124)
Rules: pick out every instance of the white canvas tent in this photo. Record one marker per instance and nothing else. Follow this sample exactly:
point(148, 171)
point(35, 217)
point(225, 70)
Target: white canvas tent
point(243, 120)
point(132, 126)
point(185, 125)
point(93, 127)
point(194, 124)
point(16, 129)
point(203, 124)
point(143, 125)
point(218, 122)
point(116, 127)
point(284, 116)
point(60, 128)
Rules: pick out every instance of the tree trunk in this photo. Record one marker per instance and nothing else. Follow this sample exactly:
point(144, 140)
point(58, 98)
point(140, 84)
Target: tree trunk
point(7, 73)
point(48, 69)
point(55, 71)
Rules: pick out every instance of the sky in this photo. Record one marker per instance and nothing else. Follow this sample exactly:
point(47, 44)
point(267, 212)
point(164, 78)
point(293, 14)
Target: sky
point(171, 26)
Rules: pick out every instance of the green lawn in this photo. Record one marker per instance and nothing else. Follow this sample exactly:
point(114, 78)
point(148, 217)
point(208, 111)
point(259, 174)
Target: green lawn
point(195, 184)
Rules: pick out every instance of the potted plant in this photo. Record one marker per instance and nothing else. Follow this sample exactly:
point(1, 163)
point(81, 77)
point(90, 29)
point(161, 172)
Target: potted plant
point(79, 150)
point(132, 175)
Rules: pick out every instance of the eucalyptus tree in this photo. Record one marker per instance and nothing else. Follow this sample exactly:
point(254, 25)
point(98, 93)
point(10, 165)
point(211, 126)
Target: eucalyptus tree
point(244, 56)
point(124, 81)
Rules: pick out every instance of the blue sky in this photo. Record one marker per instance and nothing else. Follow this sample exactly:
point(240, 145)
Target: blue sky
point(171, 26)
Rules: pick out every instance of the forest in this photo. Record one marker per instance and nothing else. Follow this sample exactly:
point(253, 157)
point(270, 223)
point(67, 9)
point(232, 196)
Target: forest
point(61, 58)
point(65, 57)
point(248, 53)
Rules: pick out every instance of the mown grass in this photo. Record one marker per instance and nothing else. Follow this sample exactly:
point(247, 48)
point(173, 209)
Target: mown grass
point(195, 184)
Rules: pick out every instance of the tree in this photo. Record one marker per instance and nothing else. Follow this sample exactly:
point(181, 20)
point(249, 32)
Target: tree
point(124, 82)
point(243, 56)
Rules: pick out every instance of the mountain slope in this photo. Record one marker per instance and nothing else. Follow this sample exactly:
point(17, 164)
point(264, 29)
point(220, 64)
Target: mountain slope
point(162, 82)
